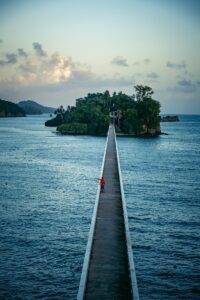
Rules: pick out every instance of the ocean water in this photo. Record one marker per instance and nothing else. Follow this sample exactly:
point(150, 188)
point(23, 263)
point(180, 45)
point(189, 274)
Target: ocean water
point(162, 189)
point(48, 187)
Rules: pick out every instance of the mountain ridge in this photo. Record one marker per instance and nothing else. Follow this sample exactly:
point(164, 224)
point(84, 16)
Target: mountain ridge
point(34, 108)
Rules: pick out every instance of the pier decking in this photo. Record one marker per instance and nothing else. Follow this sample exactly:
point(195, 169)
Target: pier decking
point(108, 270)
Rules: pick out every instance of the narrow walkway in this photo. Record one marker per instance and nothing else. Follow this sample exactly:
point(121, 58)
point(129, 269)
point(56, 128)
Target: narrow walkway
point(108, 273)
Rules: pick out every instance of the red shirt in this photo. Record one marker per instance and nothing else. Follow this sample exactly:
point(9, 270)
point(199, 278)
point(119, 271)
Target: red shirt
point(102, 181)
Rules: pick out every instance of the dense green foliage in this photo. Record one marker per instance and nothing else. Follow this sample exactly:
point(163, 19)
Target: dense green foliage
point(10, 109)
point(73, 128)
point(137, 114)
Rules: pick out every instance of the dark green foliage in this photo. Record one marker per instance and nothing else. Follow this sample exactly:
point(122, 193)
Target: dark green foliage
point(10, 109)
point(93, 111)
point(58, 120)
point(142, 92)
point(169, 119)
point(130, 123)
point(73, 128)
point(137, 114)
point(148, 112)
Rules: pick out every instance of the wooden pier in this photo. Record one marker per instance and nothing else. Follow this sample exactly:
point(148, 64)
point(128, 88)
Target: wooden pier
point(108, 268)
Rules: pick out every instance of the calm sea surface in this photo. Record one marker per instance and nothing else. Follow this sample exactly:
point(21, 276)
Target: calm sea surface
point(48, 186)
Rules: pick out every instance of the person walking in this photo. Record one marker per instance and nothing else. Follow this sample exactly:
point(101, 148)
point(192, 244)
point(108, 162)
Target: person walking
point(102, 183)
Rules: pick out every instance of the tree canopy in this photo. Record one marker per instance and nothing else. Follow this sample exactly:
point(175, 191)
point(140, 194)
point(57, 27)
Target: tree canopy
point(10, 109)
point(136, 114)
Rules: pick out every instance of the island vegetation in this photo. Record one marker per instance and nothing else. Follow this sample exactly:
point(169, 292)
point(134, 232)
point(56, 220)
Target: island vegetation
point(10, 109)
point(136, 115)
point(33, 108)
point(169, 118)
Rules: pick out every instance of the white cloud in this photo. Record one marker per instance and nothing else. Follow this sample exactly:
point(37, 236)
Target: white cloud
point(145, 61)
point(152, 75)
point(120, 61)
point(54, 76)
point(34, 71)
point(176, 66)
point(37, 69)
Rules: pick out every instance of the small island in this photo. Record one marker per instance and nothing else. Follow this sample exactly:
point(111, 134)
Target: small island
point(136, 115)
point(169, 118)
point(10, 109)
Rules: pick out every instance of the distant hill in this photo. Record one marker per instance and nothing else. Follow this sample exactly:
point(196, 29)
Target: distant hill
point(33, 108)
point(10, 109)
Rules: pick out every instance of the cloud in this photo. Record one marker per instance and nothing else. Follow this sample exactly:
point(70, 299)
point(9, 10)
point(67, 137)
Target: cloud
point(138, 74)
point(29, 69)
point(152, 75)
point(186, 86)
point(30, 66)
point(185, 82)
point(136, 63)
point(54, 69)
point(38, 49)
point(177, 66)
point(146, 61)
point(11, 58)
point(65, 92)
point(53, 77)
point(82, 77)
point(58, 68)
point(22, 53)
point(120, 61)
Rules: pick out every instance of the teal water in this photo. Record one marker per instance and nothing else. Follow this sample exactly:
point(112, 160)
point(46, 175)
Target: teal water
point(161, 181)
point(48, 188)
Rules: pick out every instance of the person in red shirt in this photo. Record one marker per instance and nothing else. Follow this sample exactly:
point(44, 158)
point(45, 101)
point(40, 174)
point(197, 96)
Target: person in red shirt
point(102, 183)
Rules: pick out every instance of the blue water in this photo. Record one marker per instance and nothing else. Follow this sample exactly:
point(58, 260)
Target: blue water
point(48, 188)
point(161, 181)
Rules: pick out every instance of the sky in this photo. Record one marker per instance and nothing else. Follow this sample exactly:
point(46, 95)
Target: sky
point(54, 52)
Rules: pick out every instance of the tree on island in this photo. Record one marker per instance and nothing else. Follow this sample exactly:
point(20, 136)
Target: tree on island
point(147, 108)
point(137, 114)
